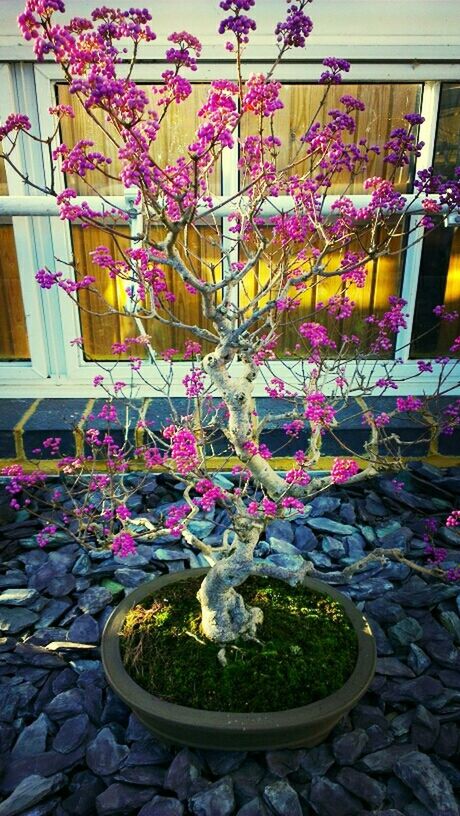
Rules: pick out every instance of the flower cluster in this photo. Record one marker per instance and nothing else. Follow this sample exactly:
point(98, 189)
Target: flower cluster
point(294, 30)
point(175, 517)
point(262, 96)
point(183, 450)
point(123, 544)
point(193, 382)
point(239, 24)
point(317, 409)
point(343, 469)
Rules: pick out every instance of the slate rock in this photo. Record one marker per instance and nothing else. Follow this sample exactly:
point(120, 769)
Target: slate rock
point(145, 775)
point(104, 755)
point(13, 578)
point(221, 763)
point(427, 783)
point(448, 741)
point(393, 667)
point(363, 786)
point(84, 629)
point(319, 559)
point(16, 619)
point(304, 538)
point(217, 800)
point(129, 577)
point(324, 504)
point(384, 761)
point(332, 547)
point(38, 656)
point(149, 752)
point(277, 545)
point(71, 734)
point(425, 728)
point(246, 781)
point(417, 659)
point(66, 704)
point(450, 621)
point(330, 799)
point(253, 808)
point(326, 525)
point(162, 806)
point(349, 747)
point(65, 680)
point(32, 739)
point(385, 612)
point(61, 585)
point(279, 529)
point(384, 647)
point(121, 798)
point(378, 738)
point(18, 597)
point(422, 689)
point(46, 764)
point(136, 730)
point(53, 611)
point(94, 600)
point(282, 762)
point(282, 799)
point(405, 632)
point(292, 562)
point(30, 791)
point(85, 788)
point(317, 761)
point(184, 770)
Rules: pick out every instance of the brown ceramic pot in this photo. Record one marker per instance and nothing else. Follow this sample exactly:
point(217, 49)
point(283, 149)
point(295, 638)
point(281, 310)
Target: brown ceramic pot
point(298, 727)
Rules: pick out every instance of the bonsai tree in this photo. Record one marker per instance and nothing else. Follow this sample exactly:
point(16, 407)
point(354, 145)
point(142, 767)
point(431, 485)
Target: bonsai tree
point(255, 283)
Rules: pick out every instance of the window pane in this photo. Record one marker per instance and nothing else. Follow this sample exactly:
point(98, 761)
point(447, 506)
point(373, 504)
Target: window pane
point(14, 344)
point(447, 148)
point(384, 277)
point(439, 283)
point(385, 106)
point(177, 131)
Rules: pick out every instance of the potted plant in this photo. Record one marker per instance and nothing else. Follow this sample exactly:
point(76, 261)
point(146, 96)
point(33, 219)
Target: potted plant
point(242, 294)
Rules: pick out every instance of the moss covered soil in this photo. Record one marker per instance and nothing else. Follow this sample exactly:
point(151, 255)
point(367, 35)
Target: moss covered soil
point(307, 650)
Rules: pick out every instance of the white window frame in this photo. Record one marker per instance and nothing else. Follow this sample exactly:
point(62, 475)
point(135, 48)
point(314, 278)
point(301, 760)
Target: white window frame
point(70, 374)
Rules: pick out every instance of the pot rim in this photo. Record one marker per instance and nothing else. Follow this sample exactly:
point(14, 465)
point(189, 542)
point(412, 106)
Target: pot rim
point(147, 703)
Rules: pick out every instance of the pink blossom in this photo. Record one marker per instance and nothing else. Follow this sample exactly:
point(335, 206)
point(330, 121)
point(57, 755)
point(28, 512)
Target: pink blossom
point(123, 544)
point(343, 469)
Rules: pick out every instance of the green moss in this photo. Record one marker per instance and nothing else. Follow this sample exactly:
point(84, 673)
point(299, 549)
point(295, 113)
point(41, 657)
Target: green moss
point(307, 650)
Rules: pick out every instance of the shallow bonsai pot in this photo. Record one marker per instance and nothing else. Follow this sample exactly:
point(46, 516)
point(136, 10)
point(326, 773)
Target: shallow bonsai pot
point(294, 728)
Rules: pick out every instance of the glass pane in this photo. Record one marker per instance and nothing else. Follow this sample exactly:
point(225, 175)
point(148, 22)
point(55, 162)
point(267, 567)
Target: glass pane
point(439, 283)
point(384, 276)
point(14, 344)
point(447, 147)
point(385, 106)
point(177, 131)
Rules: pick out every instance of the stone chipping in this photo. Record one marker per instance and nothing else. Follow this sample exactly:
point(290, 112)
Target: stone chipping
point(68, 745)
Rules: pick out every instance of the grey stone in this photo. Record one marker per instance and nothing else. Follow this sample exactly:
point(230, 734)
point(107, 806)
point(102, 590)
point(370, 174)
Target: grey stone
point(66, 704)
point(53, 612)
point(279, 529)
point(135, 730)
point(330, 799)
point(393, 667)
point(422, 689)
point(317, 761)
point(13, 578)
point(324, 504)
point(18, 597)
point(38, 656)
point(149, 752)
point(277, 545)
point(145, 775)
point(31, 791)
point(282, 799)
point(71, 734)
point(384, 611)
point(332, 547)
point(417, 659)
point(104, 755)
point(355, 545)
point(378, 738)
point(246, 780)
point(348, 747)
point(253, 808)
point(94, 600)
point(61, 585)
point(326, 525)
point(319, 559)
point(294, 562)
point(82, 565)
point(425, 728)
point(281, 763)
point(405, 632)
point(401, 724)
point(16, 619)
point(121, 798)
point(383, 761)
point(85, 788)
point(448, 741)
point(162, 806)
point(84, 629)
point(45, 764)
point(449, 620)
point(384, 646)
point(32, 740)
point(304, 538)
point(217, 800)
point(132, 577)
point(361, 785)
point(184, 770)
point(427, 783)
point(221, 763)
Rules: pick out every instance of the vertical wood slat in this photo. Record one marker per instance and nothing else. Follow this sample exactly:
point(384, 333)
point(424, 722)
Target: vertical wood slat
point(14, 343)
point(385, 106)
